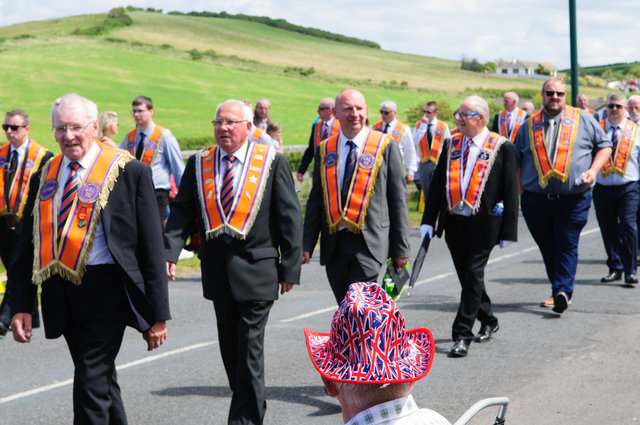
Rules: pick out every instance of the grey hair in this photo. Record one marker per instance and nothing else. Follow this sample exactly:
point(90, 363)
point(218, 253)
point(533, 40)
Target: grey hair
point(389, 104)
point(247, 112)
point(512, 95)
point(479, 105)
point(75, 100)
point(617, 96)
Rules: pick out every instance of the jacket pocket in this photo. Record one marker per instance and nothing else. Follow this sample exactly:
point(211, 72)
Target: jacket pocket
point(262, 253)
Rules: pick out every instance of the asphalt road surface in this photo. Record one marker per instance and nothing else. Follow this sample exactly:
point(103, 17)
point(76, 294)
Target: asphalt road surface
point(580, 368)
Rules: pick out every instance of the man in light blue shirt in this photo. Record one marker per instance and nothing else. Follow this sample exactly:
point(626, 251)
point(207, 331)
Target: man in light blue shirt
point(157, 147)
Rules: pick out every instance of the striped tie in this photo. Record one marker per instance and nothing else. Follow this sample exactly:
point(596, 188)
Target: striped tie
point(325, 131)
point(69, 194)
point(614, 139)
point(227, 194)
point(465, 155)
point(348, 171)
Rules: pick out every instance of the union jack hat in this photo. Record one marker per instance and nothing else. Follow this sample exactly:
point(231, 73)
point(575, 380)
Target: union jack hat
point(368, 342)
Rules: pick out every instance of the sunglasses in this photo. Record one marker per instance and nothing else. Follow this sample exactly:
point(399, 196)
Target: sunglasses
point(385, 112)
point(615, 106)
point(550, 93)
point(6, 127)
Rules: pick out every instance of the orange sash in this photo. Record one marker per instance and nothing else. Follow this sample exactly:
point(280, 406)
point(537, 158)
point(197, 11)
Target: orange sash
point(335, 129)
point(250, 188)
point(623, 150)
point(150, 147)
point(433, 154)
point(69, 258)
point(396, 133)
point(20, 184)
point(257, 134)
point(504, 131)
point(567, 131)
point(480, 172)
point(370, 157)
point(454, 131)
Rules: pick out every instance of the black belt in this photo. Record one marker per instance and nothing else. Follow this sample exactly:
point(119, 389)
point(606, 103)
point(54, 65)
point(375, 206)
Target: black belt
point(162, 190)
point(554, 196)
point(617, 185)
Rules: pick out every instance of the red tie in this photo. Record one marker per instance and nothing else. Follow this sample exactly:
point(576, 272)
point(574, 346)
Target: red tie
point(465, 156)
point(69, 194)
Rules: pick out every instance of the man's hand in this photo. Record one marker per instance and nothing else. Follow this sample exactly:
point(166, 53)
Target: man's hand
point(589, 177)
point(171, 270)
point(285, 287)
point(21, 327)
point(400, 262)
point(306, 257)
point(409, 178)
point(156, 335)
point(300, 176)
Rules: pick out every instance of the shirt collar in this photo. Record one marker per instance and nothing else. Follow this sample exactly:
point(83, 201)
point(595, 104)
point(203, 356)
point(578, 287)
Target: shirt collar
point(240, 154)
point(85, 161)
point(479, 139)
point(358, 139)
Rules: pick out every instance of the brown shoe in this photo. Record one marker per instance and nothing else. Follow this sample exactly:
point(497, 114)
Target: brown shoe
point(548, 303)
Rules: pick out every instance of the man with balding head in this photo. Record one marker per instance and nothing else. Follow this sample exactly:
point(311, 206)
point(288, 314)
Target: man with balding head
point(261, 115)
point(358, 201)
point(508, 121)
point(633, 107)
point(326, 125)
point(582, 102)
point(242, 198)
point(401, 134)
point(474, 201)
point(528, 107)
point(556, 171)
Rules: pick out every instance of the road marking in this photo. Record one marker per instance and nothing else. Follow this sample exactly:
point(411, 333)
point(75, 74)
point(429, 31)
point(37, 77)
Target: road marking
point(311, 313)
point(119, 368)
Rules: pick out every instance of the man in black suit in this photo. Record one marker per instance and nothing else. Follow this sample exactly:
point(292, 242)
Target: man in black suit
point(242, 196)
point(508, 121)
point(326, 125)
point(98, 258)
point(360, 209)
point(19, 160)
point(474, 199)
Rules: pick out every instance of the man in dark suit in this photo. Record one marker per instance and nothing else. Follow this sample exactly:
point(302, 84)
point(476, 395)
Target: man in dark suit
point(19, 160)
point(474, 199)
point(242, 196)
point(508, 121)
point(358, 200)
point(98, 258)
point(326, 125)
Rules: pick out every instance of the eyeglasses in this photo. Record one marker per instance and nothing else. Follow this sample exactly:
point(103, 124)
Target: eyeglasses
point(323, 108)
point(138, 111)
point(550, 93)
point(610, 106)
point(426, 111)
point(385, 112)
point(6, 127)
point(229, 124)
point(73, 129)
point(460, 116)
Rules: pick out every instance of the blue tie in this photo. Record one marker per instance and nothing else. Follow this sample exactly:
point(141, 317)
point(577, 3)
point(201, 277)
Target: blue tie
point(227, 193)
point(348, 171)
point(614, 139)
point(465, 156)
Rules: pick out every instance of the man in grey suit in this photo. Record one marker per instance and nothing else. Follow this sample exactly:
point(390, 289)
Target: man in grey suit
point(358, 201)
point(242, 196)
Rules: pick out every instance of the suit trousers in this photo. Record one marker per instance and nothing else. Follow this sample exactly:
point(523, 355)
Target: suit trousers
point(351, 262)
point(555, 224)
point(469, 259)
point(241, 328)
point(616, 210)
point(426, 171)
point(98, 312)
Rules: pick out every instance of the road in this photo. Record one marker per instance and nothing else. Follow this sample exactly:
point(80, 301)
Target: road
point(580, 368)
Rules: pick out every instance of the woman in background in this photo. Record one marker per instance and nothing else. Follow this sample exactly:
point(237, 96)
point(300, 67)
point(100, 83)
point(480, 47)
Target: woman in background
point(108, 126)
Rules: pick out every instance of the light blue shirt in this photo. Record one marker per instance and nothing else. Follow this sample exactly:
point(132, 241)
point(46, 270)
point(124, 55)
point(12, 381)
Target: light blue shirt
point(99, 253)
point(631, 172)
point(168, 160)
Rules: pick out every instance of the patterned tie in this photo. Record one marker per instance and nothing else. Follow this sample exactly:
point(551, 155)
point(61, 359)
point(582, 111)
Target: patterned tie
point(549, 139)
point(69, 194)
point(429, 136)
point(227, 193)
point(140, 147)
point(465, 155)
point(508, 126)
point(348, 171)
point(325, 131)
point(614, 139)
point(386, 127)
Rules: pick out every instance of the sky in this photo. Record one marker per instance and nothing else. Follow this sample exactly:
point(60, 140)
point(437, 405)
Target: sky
point(486, 30)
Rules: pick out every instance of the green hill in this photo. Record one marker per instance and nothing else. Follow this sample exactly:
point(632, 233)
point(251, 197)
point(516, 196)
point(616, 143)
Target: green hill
point(189, 64)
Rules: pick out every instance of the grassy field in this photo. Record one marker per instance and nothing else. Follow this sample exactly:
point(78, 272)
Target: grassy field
point(40, 61)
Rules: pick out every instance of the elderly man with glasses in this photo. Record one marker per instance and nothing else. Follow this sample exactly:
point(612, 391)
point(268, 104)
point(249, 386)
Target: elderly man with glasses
point(474, 201)
point(155, 146)
point(560, 151)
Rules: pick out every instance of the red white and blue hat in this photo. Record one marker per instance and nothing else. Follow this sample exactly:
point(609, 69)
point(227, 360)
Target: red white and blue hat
point(368, 342)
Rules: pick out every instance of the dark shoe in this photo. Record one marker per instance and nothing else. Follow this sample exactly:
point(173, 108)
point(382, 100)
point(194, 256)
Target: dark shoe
point(3, 329)
point(485, 332)
point(460, 348)
point(612, 277)
point(630, 278)
point(560, 302)
point(548, 303)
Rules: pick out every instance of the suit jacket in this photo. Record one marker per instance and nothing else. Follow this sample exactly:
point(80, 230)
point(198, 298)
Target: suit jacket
point(502, 185)
point(134, 238)
point(386, 225)
point(307, 156)
point(250, 268)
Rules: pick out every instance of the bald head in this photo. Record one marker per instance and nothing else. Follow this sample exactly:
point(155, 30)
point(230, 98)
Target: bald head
point(351, 111)
point(326, 109)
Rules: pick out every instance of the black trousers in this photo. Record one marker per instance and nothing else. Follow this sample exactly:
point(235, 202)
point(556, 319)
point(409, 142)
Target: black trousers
point(351, 262)
point(98, 312)
point(469, 258)
point(162, 199)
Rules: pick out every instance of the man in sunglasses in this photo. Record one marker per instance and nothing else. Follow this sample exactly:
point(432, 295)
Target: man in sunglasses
point(401, 134)
point(560, 151)
point(19, 160)
point(616, 194)
point(325, 126)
